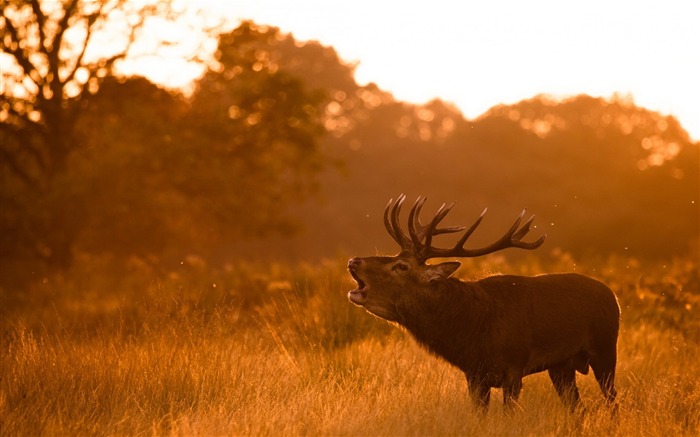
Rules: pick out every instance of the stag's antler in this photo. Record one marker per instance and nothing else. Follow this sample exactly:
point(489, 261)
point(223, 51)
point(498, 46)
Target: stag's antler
point(419, 241)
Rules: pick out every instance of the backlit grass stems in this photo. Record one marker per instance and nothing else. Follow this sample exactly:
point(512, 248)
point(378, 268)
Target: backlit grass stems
point(277, 350)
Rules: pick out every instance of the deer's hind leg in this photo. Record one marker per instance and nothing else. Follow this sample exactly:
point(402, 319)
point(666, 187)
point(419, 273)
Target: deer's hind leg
point(604, 370)
point(603, 358)
point(563, 377)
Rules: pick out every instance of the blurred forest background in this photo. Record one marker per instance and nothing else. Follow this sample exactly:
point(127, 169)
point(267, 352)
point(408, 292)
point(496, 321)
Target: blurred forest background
point(278, 153)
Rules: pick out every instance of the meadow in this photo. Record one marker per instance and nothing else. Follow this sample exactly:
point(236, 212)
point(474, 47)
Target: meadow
point(276, 349)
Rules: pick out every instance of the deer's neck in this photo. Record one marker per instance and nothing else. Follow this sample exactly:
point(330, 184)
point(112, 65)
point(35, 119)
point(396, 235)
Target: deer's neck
point(449, 319)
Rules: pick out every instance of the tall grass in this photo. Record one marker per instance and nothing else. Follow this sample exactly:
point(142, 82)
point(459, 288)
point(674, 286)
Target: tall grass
point(277, 350)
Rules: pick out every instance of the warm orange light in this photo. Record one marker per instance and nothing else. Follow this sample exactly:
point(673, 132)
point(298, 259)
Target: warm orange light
point(480, 55)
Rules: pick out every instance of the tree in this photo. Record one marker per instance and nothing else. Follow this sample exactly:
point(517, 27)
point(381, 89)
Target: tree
point(206, 172)
point(129, 130)
point(168, 174)
point(53, 54)
point(602, 176)
point(50, 63)
point(260, 125)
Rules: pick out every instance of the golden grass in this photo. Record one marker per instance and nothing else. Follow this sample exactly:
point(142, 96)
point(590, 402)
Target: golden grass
point(260, 350)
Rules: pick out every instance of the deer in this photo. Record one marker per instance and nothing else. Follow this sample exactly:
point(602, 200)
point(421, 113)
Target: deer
point(498, 329)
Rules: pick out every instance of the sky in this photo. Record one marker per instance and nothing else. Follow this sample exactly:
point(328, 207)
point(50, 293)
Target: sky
point(480, 54)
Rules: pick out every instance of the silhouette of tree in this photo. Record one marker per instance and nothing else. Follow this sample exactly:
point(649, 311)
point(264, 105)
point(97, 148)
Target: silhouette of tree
point(50, 61)
point(624, 175)
point(262, 124)
point(87, 156)
point(168, 174)
point(130, 155)
point(603, 176)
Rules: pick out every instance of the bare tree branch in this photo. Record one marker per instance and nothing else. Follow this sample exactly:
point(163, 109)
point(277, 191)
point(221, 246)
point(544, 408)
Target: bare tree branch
point(40, 18)
point(53, 53)
point(14, 48)
point(79, 61)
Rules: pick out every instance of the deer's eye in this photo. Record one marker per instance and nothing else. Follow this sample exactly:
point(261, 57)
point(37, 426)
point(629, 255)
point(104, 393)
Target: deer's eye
point(400, 267)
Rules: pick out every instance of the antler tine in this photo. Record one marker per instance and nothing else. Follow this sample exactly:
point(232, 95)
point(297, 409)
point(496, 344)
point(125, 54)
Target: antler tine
point(387, 221)
point(432, 226)
point(508, 236)
point(391, 222)
point(520, 233)
point(419, 239)
point(395, 212)
point(415, 228)
point(421, 235)
point(434, 230)
point(471, 229)
point(502, 242)
point(515, 234)
point(512, 238)
point(421, 229)
point(524, 229)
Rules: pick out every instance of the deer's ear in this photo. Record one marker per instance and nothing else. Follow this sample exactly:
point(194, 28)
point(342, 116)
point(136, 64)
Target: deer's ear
point(442, 271)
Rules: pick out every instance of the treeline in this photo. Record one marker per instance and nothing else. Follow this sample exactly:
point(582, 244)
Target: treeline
point(601, 176)
point(280, 153)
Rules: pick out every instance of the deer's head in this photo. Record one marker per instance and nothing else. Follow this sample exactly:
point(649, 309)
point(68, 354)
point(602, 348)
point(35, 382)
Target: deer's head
point(384, 281)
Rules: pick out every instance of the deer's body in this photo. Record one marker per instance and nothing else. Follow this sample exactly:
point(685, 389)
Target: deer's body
point(502, 328)
point(499, 329)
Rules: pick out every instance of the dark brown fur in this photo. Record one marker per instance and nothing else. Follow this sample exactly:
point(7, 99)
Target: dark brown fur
point(499, 329)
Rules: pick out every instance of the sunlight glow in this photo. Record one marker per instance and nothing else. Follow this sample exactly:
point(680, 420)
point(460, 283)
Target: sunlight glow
point(477, 55)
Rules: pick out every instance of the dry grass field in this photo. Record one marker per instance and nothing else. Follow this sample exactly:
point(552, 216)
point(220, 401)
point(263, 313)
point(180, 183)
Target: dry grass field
point(278, 350)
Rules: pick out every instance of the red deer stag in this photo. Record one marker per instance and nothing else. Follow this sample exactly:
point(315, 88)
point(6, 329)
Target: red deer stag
point(498, 329)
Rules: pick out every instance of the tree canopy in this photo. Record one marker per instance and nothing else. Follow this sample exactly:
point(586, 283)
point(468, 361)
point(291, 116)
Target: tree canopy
point(101, 164)
point(50, 62)
point(92, 155)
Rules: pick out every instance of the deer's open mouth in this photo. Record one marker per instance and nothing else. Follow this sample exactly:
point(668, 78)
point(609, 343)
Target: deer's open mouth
point(357, 296)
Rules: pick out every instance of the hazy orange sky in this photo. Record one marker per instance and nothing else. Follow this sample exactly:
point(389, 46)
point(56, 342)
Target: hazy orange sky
point(479, 54)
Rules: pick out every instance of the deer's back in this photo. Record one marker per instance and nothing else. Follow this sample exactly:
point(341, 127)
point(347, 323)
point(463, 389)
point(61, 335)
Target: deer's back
point(553, 315)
